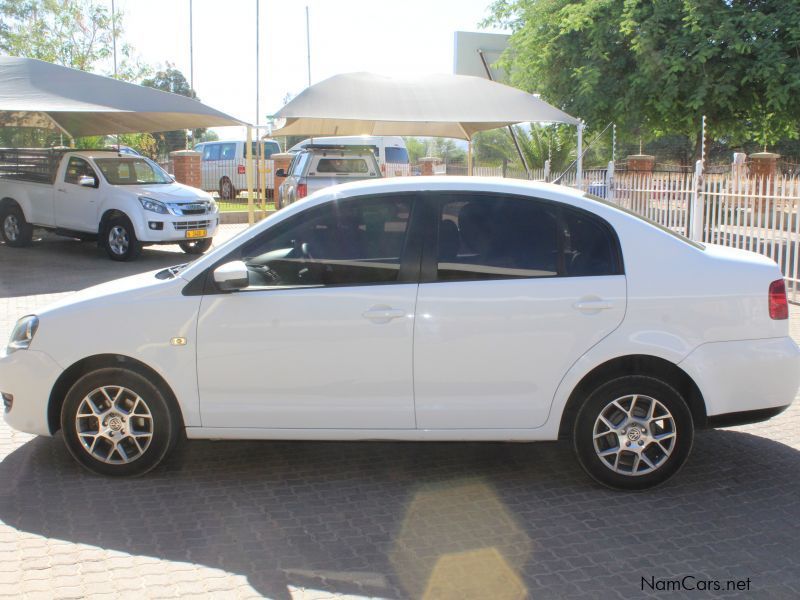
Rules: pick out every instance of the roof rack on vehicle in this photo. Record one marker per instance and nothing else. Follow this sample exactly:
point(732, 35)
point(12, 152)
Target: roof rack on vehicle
point(371, 148)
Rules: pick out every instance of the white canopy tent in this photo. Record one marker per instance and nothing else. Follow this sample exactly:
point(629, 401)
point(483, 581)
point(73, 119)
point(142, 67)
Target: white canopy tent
point(455, 106)
point(34, 93)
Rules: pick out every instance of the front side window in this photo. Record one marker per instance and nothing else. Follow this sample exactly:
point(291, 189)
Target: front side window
point(77, 168)
point(482, 237)
point(354, 242)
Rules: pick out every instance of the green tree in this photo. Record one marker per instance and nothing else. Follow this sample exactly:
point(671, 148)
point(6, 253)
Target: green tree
point(73, 33)
point(417, 149)
point(170, 79)
point(656, 67)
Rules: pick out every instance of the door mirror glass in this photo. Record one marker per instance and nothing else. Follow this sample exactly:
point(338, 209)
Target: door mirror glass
point(231, 276)
point(87, 181)
point(280, 173)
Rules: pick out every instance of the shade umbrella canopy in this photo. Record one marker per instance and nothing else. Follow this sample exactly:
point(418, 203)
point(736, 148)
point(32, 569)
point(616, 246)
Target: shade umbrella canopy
point(455, 106)
point(34, 93)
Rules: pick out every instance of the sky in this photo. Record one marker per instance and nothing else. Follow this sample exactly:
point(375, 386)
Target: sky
point(395, 38)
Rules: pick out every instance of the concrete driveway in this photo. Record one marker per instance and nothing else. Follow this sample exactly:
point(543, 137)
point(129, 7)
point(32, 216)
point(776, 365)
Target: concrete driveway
point(389, 520)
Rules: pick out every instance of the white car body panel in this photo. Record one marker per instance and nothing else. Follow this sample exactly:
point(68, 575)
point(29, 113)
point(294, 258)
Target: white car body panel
point(702, 310)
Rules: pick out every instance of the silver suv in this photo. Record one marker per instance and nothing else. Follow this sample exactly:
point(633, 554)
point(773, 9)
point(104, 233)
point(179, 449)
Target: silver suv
point(317, 166)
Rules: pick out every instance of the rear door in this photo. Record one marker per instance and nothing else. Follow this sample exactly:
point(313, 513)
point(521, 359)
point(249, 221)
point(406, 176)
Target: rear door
point(514, 291)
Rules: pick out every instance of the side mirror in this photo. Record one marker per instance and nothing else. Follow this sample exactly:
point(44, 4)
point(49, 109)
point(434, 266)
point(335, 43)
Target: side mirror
point(87, 181)
point(231, 276)
point(280, 173)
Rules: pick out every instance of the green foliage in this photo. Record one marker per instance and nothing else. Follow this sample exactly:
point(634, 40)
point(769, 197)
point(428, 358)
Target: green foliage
point(417, 149)
point(656, 67)
point(73, 33)
point(170, 79)
point(445, 148)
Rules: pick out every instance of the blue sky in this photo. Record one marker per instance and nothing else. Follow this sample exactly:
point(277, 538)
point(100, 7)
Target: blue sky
point(388, 37)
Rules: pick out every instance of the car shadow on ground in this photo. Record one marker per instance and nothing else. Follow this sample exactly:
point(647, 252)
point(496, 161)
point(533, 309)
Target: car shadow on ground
point(72, 265)
point(410, 519)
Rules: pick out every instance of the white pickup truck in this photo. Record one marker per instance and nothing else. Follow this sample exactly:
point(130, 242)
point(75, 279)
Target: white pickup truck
point(123, 201)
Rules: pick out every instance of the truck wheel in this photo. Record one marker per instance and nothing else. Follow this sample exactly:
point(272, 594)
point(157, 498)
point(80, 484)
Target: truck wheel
point(120, 240)
point(226, 189)
point(196, 246)
point(17, 232)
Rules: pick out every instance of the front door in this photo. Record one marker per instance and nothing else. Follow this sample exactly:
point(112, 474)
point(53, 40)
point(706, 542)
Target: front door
point(76, 205)
point(322, 338)
point(515, 292)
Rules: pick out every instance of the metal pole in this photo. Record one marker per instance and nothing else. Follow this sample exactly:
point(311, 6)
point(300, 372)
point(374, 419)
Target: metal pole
point(191, 48)
point(308, 47)
point(114, 35)
point(579, 162)
point(614, 142)
point(469, 156)
point(257, 71)
point(251, 217)
point(510, 128)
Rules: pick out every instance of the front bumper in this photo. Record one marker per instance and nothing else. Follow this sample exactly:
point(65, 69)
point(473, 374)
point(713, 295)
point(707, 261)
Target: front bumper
point(746, 375)
point(28, 377)
point(173, 228)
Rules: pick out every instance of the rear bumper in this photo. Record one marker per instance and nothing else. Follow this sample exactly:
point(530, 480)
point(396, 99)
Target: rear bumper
point(28, 376)
point(745, 376)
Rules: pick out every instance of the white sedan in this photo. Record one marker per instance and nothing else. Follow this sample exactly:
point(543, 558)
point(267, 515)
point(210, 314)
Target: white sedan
point(418, 309)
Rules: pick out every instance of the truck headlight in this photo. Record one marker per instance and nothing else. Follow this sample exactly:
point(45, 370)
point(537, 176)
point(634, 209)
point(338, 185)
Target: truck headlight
point(153, 205)
point(23, 334)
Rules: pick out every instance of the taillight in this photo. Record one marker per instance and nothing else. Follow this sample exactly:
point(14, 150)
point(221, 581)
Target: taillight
point(778, 305)
point(302, 190)
point(240, 170)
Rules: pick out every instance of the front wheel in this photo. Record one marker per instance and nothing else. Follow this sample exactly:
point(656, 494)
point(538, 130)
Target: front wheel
point(115, 422)
point(120, 239)
point(196, 246)
point(633, 433)
point(17, 232)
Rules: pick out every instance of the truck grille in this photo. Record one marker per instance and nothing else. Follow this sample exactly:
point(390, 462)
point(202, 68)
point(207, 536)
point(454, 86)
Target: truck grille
point(184, 225)
point(195, 208)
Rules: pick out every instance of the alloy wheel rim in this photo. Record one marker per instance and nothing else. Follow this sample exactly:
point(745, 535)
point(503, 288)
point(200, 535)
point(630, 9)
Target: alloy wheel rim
point(11, 227)
point(118, 240)
point(114, 425)
point(634, 435)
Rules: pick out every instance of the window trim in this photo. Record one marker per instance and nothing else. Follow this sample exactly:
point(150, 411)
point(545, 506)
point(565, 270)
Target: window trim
point(410, 259)
point(438, 199)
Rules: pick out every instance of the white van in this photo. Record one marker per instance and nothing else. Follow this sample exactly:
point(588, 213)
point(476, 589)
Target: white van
point(390, 150)
point(223, 165)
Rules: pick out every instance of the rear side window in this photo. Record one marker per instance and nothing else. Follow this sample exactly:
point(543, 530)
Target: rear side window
point(299, 164)
point(489, 238)
point(211, 152)
point(589, 248)
point(396, 155)
point(227, 151)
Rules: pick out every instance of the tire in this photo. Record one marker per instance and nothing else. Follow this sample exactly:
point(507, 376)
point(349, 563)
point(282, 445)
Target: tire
point(226, 189)
point(196, 246)
point(16, 231)
point(119, 239)
point(115, 422)
point(638, 450)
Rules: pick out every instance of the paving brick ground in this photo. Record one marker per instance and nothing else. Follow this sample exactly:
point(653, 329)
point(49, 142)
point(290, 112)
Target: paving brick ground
point(391, 520)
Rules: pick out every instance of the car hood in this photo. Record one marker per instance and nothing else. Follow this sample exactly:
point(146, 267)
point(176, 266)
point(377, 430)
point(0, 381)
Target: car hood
point(171, 192)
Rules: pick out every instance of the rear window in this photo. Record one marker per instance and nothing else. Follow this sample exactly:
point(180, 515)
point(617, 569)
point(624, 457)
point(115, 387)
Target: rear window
point(397, 155)
point(342, 165)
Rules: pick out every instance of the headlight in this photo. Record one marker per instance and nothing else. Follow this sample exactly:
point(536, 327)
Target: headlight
point(213, 206)
point(23, 333)
point(153, 205)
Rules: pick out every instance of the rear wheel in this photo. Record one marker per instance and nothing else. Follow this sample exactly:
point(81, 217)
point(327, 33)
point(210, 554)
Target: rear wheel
point(115, 422)
point(196, 246)
point(120, 240)
point(17, 232)
point(633, 433)
point(226, 189)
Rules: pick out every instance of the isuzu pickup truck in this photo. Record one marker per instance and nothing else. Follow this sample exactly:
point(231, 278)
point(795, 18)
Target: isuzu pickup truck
point(124, 202)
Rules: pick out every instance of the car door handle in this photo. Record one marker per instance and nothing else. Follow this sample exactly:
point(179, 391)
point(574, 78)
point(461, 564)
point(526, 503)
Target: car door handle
point(61, 190)
point(383, 314)
point(592, 305)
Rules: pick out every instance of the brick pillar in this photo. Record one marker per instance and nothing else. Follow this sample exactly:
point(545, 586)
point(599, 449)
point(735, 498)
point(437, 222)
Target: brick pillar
point(764, 164)
point(186, 167)
point(427, 164)
point(641, 163)
point(282, 161)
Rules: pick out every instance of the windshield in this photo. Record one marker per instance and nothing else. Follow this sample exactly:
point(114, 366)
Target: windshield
point(131, 171)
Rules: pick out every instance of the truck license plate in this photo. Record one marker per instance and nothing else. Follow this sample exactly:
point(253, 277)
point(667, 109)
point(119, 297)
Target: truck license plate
point(196, 233)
